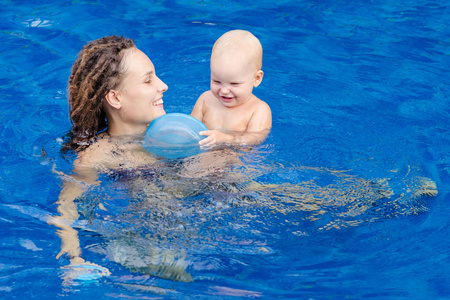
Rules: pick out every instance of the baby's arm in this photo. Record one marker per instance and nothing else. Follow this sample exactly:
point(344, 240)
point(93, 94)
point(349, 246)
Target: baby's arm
point(214, 137)
point(261, 119)
point(257, 129)
point(197, 112)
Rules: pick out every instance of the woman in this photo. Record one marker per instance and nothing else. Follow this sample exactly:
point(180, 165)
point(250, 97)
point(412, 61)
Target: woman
point(114, 94)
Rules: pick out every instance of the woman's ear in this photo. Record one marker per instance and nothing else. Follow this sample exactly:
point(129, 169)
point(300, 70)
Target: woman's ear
point(258, 78)
point(113, 99)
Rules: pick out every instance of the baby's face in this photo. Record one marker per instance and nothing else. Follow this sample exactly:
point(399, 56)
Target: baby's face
point(233, 78)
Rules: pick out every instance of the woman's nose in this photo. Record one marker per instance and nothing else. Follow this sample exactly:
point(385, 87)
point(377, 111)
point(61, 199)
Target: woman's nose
point(162, 87)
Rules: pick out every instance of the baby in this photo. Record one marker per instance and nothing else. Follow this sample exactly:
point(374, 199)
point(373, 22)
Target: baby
point(230, 110)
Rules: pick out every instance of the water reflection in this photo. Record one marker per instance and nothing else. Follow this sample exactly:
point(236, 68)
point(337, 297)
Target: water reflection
point(179, 219)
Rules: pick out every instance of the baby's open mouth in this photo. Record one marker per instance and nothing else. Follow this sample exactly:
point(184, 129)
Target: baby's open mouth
point(227, 98)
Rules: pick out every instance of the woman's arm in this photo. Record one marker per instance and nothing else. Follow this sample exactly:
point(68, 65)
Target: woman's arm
point(73, 187)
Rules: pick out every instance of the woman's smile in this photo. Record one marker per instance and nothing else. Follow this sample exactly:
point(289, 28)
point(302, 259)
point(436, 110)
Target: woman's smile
point(158, 102)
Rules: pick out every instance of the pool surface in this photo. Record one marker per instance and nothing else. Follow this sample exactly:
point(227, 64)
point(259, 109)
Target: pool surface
point(338, 203)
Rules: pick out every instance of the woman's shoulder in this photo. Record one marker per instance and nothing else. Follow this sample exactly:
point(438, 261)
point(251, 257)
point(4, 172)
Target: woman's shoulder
point(110, 153)
point(97, 152)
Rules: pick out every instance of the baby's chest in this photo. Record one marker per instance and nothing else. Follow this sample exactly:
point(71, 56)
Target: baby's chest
point(227, 120)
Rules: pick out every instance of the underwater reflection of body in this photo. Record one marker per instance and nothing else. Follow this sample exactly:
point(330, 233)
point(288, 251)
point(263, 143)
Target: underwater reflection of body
point(133, 193)
point(166, 223)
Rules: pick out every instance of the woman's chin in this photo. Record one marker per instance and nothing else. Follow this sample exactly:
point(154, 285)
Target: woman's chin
point(161, 112)
point(158, 112)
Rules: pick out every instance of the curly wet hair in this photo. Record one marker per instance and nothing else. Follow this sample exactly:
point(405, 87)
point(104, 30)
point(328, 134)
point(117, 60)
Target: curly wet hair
point(98, 69)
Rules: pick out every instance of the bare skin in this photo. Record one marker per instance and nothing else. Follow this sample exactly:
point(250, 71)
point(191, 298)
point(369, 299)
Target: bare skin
point(105, 154)
point(252, 125)
point(129, 109)
point(229, 109)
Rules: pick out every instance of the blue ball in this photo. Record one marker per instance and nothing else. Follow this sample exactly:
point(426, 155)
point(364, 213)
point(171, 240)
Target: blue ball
point(174, 135)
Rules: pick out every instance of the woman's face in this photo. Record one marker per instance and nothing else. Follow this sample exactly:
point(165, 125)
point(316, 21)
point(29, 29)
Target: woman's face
point(141, 92)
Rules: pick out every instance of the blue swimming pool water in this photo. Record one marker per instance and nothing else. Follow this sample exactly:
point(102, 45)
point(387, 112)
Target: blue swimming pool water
point(360, 101)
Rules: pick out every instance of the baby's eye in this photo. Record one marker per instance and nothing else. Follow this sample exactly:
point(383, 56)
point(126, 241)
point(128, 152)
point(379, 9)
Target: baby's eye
point(216, 81)
point(234, 83)
point(148, 81)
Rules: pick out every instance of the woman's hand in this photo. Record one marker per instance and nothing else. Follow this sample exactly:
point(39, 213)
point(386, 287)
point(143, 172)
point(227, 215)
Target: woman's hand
point(81, 270)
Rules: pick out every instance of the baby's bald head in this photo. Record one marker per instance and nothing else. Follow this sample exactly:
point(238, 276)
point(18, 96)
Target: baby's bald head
point(239, 42)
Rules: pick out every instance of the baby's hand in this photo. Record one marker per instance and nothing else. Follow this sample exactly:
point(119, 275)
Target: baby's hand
point(214, 137)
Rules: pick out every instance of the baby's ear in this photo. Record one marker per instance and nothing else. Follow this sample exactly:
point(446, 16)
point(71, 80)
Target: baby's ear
point(258, 78)
point(113, 99)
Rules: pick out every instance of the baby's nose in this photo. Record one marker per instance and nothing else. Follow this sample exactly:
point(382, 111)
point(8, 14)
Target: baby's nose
point(224, 90)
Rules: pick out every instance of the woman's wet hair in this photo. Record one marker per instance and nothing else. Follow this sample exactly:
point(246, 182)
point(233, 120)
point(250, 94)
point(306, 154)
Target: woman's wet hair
point(98, 69)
